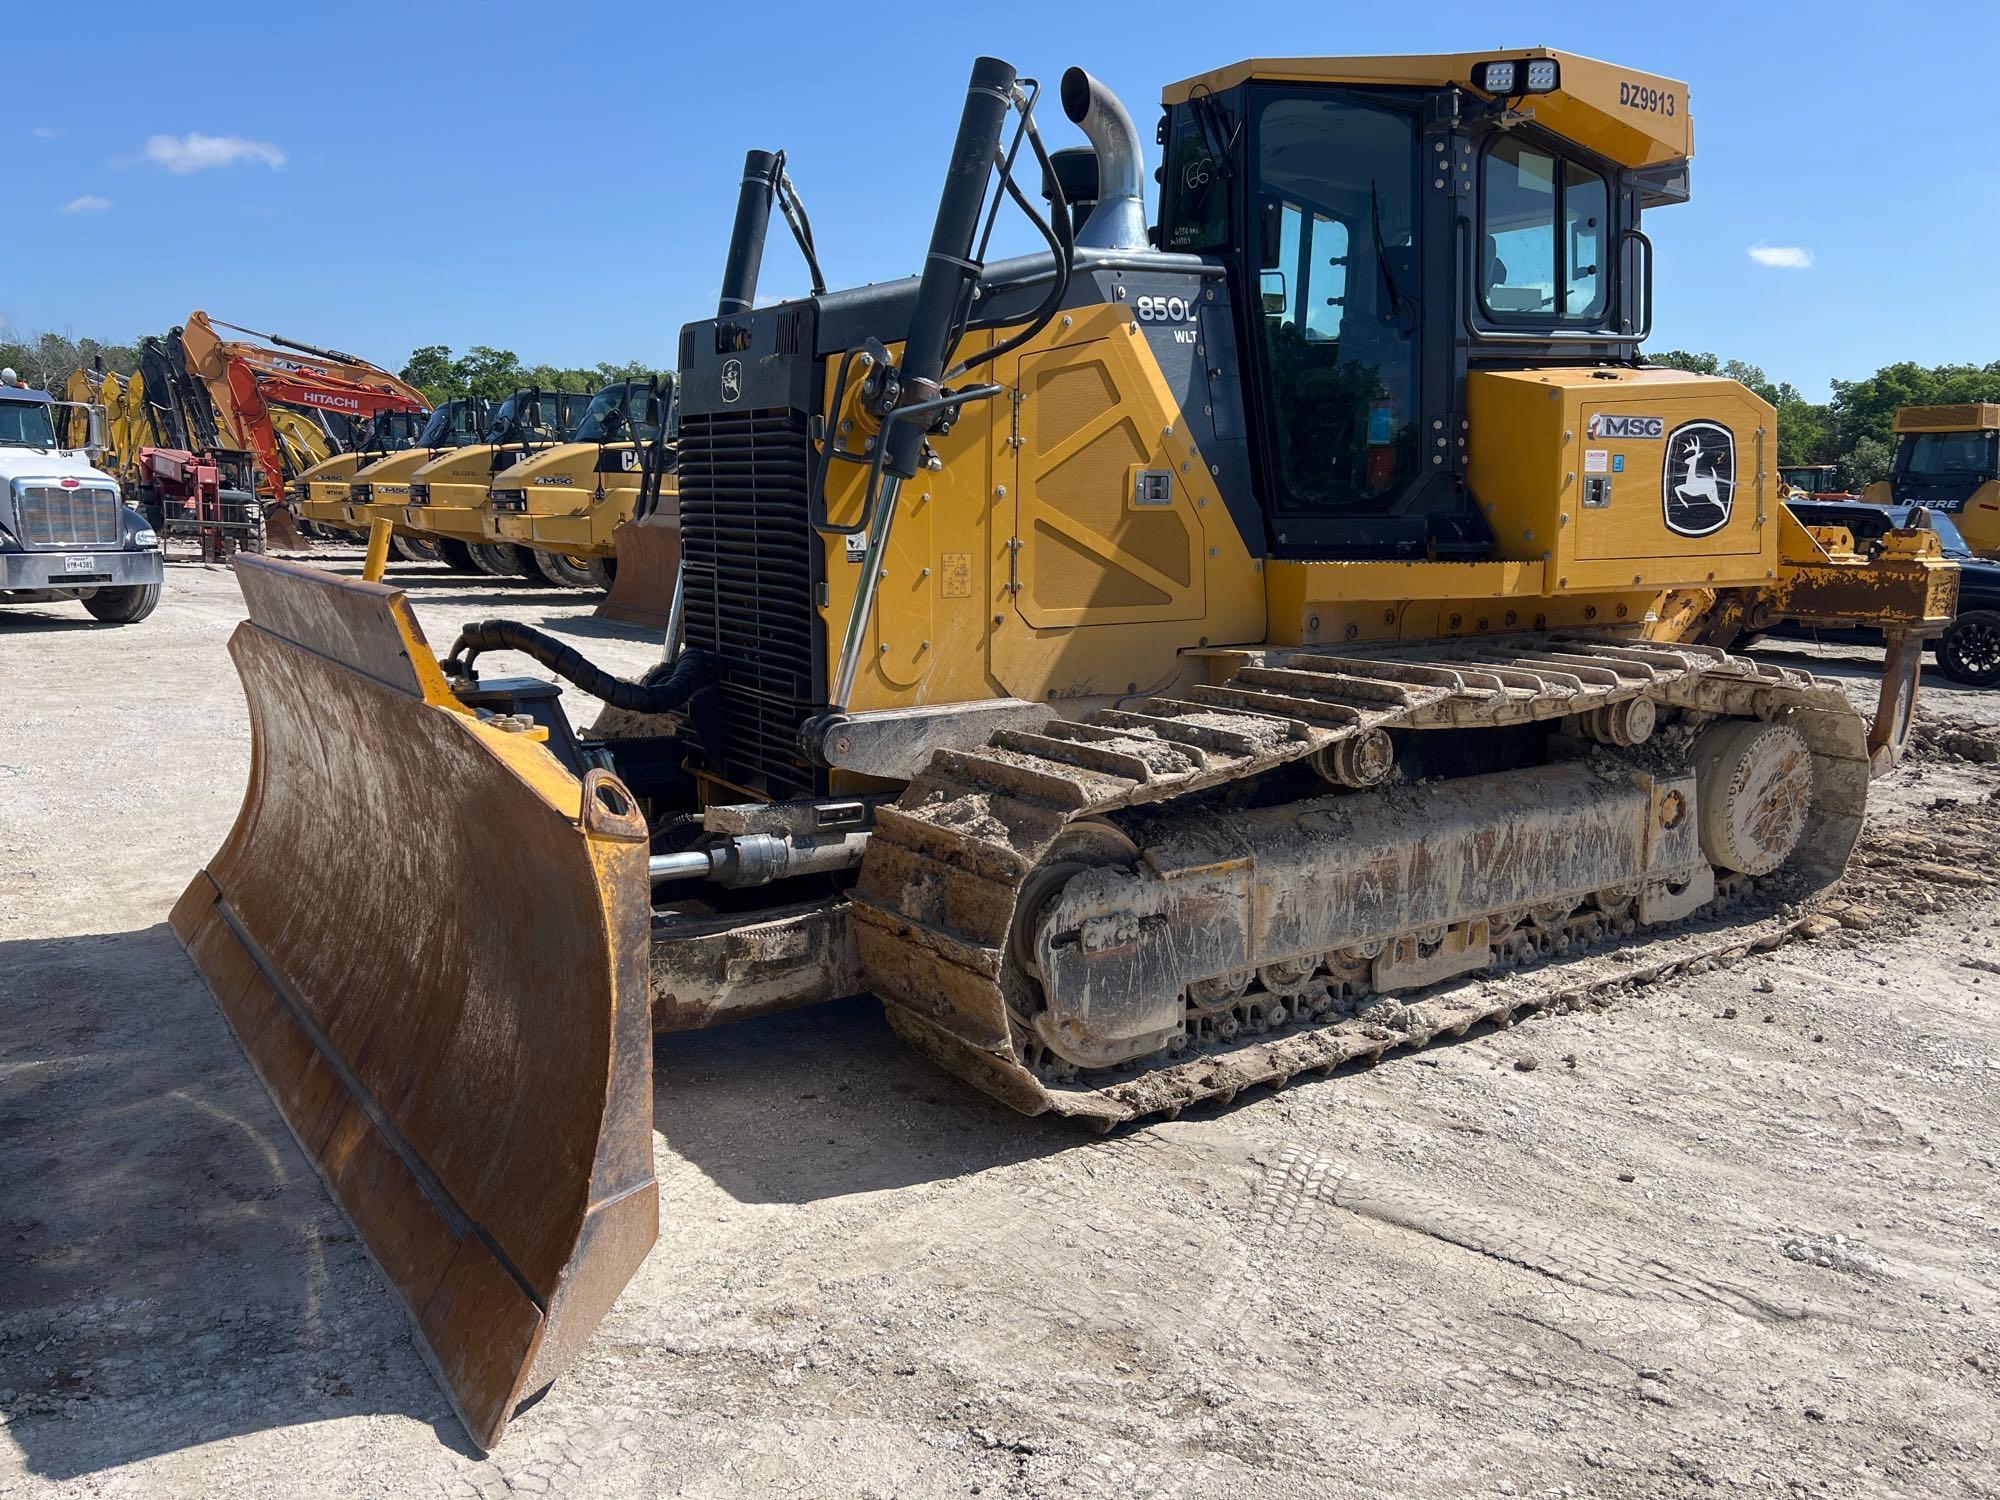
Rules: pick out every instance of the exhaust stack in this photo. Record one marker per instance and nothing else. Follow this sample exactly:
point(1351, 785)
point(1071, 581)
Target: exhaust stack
point(746, 238)
point(1118, 222)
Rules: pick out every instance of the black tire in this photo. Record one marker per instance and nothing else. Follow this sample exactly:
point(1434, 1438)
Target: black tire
point(457, 555)
point(571, 572)
point(1969, 652)
point(499, 559)
point(414, 549)
point(257, 538)
point(124, 606)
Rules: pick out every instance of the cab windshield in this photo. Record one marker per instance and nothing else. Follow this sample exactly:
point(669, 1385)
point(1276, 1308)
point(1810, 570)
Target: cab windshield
point(1336, 232)
point(390, 432)
point(501, 427)
point(1953, 456)
point(451, 426)
point(621, 413)
point(25, 424)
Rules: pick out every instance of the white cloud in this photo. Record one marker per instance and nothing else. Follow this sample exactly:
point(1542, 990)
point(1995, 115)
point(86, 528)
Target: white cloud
point(89, 203)
point(46, 132)
point(195, 152)
point(1785, 257)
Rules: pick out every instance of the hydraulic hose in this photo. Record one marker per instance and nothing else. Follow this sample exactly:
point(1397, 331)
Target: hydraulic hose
point(662, 690)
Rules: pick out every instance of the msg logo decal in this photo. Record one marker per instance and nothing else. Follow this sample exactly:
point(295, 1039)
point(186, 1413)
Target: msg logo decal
point(1698, 481)
point(1604, 425)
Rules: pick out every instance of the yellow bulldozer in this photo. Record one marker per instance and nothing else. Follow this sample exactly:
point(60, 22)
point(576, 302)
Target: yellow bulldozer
point(1948, 459)
point(1242, 639)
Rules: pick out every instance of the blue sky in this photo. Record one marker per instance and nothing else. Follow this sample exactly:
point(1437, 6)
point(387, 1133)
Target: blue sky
point(558, 179)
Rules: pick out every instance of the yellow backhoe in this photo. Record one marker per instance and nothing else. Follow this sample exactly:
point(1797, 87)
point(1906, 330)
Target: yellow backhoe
point(1245, 638)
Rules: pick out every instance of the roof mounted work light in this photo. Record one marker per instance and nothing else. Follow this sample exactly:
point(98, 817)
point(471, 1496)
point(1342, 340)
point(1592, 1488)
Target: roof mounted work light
point(1505, 80)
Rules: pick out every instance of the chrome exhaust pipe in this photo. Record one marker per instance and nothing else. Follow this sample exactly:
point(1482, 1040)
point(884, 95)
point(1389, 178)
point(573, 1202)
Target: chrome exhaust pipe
point(1119, 220)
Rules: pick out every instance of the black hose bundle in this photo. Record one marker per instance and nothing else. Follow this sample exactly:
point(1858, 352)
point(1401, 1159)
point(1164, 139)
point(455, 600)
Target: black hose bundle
point(662, 690)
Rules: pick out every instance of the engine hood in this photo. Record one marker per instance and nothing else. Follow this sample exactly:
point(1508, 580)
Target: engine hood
point(50, 463)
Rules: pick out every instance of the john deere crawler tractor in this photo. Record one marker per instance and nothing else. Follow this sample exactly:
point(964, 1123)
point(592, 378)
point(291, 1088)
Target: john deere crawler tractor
point(1241, 639)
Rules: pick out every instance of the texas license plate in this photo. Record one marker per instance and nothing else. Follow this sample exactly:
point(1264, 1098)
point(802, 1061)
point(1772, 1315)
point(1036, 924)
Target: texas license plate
point(80, 565)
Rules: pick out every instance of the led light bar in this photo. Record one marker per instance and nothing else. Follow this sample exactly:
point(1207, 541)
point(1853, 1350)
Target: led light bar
point(1509, 79)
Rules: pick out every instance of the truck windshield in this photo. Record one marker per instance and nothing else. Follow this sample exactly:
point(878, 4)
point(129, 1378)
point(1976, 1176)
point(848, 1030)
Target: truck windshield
point(451, 425)
point(621, 413)
point(1336, 224)
point(1948, 455)
point(501, 428)
point(25, 424)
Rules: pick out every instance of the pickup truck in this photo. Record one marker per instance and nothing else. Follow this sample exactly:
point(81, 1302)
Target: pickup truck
point(65, 530)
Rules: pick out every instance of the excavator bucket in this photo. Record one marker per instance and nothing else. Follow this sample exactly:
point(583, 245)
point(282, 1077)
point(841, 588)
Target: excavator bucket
point(451, 1013)
point(649, 559)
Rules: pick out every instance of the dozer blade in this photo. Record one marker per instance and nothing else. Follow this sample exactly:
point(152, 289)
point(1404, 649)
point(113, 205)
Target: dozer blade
point(649, 558)
point(431, 942)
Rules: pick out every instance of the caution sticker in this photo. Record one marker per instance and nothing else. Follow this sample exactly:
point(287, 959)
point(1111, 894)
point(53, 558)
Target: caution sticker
point(1596, 460)
point(955, 575)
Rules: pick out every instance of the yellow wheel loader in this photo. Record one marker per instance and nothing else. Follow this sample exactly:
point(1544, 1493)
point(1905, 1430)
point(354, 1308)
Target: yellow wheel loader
point(447, 496)
point(564, 504)
point(1198, 654)
point(1948, 459)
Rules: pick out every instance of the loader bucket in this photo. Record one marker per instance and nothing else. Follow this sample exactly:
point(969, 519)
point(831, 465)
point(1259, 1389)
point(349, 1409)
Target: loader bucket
point(649, 558)
point(431, 942)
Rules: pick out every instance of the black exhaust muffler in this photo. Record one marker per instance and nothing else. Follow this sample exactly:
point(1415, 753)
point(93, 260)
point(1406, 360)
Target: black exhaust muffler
point(949, 267)
point(746, 238)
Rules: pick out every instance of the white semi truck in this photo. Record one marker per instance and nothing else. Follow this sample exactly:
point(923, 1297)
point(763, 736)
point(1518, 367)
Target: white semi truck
point(65, 530)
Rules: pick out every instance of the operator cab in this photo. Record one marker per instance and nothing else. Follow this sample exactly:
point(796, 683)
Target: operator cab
point(626, 411)
point(1945, 454)
point(535, 416)
point(393, 431)
point(455, 424)
point(1390, 223)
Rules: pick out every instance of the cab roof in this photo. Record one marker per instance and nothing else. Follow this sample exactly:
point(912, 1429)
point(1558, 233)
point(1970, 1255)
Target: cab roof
point(15, 393)
point(1635, 119)
point(1967, 416)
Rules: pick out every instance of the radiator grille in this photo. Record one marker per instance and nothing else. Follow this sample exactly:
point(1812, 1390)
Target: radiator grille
point(747, 548)
point(51, 516)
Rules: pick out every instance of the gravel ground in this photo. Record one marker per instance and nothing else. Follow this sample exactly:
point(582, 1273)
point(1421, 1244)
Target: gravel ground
point(1735, 1234)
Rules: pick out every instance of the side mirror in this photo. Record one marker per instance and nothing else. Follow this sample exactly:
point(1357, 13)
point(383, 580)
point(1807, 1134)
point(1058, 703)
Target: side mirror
point(1271, 286)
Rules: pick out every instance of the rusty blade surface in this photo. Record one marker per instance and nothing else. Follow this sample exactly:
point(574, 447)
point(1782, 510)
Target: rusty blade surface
point(431, 942)
point(649, 556)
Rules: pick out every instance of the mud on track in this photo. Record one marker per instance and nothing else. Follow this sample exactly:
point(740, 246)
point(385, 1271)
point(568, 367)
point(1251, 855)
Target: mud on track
point(1431, 1277)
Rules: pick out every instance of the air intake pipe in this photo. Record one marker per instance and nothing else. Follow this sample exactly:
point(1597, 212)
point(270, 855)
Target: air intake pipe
point(1118, 222)
point(746, 238)
point(949, 267)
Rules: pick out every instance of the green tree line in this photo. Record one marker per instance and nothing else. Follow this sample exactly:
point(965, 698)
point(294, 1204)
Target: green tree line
point(45, 361)
point(498, 373)
point(1855, 430)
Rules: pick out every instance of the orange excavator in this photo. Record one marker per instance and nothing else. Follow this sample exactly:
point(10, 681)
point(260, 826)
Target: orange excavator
point(289, 404)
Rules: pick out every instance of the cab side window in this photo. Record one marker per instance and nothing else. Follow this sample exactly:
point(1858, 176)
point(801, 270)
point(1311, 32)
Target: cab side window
point(1544, 237)
point(1198, 189)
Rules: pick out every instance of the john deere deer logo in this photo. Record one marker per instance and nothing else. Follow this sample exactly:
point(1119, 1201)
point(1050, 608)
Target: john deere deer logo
point(732, 379)
point(1698, 482)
